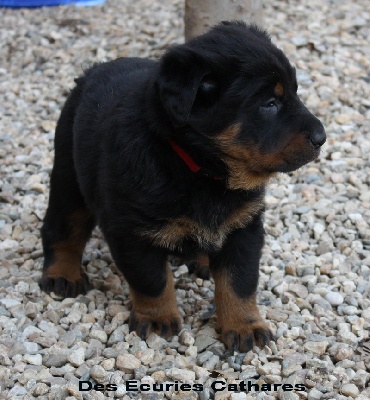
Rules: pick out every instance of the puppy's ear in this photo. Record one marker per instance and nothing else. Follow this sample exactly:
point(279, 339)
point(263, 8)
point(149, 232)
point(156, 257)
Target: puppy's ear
point(181, 73)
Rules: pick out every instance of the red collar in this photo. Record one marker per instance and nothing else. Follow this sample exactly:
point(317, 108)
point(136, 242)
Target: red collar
point(192, 165)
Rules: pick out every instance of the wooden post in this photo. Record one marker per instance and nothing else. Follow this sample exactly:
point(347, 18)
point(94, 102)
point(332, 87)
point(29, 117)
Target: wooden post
point(200, 15)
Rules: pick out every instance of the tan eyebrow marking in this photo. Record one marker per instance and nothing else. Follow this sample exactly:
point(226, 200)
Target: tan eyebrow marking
point(279, 89)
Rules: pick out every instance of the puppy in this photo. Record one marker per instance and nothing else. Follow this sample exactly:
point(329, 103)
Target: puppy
point(172, 157)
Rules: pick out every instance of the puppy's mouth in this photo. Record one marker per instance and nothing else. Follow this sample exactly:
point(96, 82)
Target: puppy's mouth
point(294, 155)
point(287, 160)
point(249, 166)
point(293, 162)
point(289, 166)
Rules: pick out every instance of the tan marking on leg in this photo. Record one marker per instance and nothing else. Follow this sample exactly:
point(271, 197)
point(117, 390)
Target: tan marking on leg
point(203, 260)
point(159, 309)
point(66, 262)
point(156, 314)
point(201, 264)
point(232, 310)
point(237, 316)
point(67, 254)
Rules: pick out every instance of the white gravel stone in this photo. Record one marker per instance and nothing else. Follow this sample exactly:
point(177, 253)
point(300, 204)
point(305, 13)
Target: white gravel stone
point(40, 389)
point(99, 374)
point(34, 359)
point(145, 356)
point(9, 302)
point(77, 357)
point(31, 330)
point(186, 338)
point(127, 362)
point(349, 389)
point(155, 342)
point(108, 364)
point(316, 347)
point(269, 368)
point(181, 375)
point(74, 316)
point(99, 335)
point(8, 244)
point(318, 230)
point(182, 270)
point(121, 391)
point(315, 394)
point(17, 391)
point(74, 390)
point(200, 372)
point(238, 396)
point(334, 298)
point(191, 351)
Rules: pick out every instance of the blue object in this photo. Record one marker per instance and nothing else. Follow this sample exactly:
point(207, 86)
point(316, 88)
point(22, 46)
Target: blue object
point(43, 3)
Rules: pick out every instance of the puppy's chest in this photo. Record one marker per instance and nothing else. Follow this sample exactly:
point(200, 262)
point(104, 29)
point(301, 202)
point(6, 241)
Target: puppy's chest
point(205, 234)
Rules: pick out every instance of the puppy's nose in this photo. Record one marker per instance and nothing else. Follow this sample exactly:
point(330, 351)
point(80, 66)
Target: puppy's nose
point(318, 137)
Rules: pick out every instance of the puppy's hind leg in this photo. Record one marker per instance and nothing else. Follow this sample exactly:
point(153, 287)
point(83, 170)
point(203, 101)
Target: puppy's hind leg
point(199, 266)
point(68, 223)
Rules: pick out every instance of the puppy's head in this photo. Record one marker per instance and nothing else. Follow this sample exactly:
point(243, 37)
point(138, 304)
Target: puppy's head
point(235, 89)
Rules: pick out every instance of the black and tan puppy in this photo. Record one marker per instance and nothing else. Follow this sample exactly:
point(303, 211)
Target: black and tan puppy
point(172, 157)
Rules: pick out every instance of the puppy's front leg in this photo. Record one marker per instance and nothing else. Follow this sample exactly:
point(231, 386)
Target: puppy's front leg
point(151, 284)
point(156, 313)
point(235, 271)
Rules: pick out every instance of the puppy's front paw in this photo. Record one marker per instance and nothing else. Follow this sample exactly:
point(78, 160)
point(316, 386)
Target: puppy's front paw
point(240, 322)
point(244, 338)
point(165, 325)
point(157, 314)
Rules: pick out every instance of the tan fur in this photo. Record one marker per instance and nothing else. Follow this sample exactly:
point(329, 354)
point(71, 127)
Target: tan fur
point(296, 145)
point(172, 235)
point(67, 262)
point(235, 314)
point(159, 309)
point(67, 254)
point(244, 162)
point(279, 89)
point(203, 260)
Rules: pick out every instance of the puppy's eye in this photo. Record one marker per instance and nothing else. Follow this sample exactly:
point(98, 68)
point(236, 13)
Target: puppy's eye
point(271, 103)
point(270, 108)
point(208, 86)
point(208, 91)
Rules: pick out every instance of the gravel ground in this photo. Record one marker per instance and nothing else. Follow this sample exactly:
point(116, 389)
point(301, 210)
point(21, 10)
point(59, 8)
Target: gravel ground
point(314, 285)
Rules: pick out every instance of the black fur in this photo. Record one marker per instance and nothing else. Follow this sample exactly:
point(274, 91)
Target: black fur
point(114, 163)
